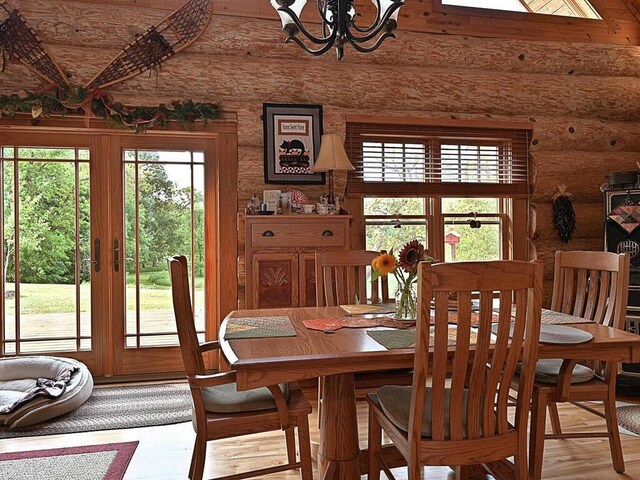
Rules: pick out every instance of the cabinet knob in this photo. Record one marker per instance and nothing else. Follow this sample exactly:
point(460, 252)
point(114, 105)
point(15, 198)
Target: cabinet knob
point(327, 233)
point(269, 233)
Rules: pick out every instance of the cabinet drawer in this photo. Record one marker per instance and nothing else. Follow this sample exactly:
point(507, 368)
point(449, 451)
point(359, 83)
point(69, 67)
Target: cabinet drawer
point(299, 234)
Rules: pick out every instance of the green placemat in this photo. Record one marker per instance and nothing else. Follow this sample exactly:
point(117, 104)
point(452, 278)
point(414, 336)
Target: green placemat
point(259, 327)
point(392, 339)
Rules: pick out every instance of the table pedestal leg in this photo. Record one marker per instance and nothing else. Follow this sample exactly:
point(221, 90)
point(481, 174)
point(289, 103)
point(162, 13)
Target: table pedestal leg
point(339, 451)
point(470, 472)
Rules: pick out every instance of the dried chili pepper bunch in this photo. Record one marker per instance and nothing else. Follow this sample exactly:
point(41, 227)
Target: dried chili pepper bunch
point(564, 217)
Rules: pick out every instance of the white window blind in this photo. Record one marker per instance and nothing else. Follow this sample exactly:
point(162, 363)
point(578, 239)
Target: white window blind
point(446, 160)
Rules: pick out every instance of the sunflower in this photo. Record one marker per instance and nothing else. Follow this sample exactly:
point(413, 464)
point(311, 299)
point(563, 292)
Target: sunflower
point(410, 255)
point(384, 263)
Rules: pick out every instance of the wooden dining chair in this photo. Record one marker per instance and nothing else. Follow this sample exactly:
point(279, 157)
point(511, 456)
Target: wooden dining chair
point(591, 285)
point(341, 279)
point(458, 415)
point(220, 410)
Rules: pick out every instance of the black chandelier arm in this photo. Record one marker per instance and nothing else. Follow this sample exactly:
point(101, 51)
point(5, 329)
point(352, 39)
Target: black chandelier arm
point(371, 48)
point(373, 25)
point(319, 51)
point(327, 27)
point(322, 11)
point(384, 23)
point(301, 28)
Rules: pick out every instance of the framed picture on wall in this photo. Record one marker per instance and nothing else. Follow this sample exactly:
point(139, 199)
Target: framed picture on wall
point(291, 143)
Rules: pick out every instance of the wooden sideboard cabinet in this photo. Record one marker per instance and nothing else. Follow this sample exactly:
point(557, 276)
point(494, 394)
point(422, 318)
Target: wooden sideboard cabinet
point(280, 256)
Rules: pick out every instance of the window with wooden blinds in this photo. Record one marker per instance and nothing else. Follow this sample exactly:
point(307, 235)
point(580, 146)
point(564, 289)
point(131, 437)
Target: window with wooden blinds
point(437, 160)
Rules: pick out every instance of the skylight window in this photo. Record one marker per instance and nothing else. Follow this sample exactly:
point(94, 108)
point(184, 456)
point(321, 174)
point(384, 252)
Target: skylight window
point(564, 8)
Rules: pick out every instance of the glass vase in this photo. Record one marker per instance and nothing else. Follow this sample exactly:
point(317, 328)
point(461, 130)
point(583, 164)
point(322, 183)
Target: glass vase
point(406, 302)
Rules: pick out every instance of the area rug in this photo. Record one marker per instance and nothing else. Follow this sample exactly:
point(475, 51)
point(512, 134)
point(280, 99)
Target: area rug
point(93, 462)
point(111, 408)
point(629, 418)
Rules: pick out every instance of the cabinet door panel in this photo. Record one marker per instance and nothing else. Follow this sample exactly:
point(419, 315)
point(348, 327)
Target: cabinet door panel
point(307, 279)
point(275, 280)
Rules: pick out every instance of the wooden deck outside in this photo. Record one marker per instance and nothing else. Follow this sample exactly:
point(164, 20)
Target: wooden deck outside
point(37, 327)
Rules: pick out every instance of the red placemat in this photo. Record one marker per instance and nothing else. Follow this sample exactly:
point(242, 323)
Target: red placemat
point(333, 324)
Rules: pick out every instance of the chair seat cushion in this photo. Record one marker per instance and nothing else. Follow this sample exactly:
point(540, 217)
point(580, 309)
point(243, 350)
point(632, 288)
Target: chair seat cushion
point(548, 370)
point(396, 401)
point(227, 399)
point(19, 374)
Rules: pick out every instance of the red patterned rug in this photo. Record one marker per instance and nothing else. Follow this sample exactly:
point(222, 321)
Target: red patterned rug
point(92, 462)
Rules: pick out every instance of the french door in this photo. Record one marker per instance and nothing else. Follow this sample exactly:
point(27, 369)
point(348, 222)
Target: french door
point(88, 222)
point(50, 300)
point(163, 214)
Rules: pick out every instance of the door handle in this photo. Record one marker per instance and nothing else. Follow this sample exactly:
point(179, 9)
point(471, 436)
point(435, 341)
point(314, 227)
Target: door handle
point(116, 255)
point(96, 255)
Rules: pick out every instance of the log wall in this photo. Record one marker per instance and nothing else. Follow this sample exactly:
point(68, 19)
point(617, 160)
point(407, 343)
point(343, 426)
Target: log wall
point(582, 98)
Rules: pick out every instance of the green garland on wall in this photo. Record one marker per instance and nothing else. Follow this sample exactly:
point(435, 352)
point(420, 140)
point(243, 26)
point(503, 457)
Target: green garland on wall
point(98, 103)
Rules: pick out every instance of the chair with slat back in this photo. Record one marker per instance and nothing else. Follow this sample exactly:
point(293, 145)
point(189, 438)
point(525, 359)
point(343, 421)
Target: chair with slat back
point(462, 419)
point(341, 278)
point(220, 410)
point(591, 285)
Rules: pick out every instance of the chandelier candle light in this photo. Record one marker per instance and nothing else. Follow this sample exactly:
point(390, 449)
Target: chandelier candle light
point(405, 270)
point(339, 25)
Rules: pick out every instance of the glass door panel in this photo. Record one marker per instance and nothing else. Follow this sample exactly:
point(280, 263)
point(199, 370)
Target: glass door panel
point(46, 250)
point(163, 216)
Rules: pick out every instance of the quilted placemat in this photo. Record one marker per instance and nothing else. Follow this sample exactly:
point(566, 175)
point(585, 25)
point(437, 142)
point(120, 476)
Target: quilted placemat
point(333, 324)
point(392, 339)
point(259, 327)
point(369, 309)
point(627, 215)
point(549, 317)
point(475, 318)
point(453, 318)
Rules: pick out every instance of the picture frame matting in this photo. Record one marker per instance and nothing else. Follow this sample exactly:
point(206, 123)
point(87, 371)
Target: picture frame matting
point(292, 135)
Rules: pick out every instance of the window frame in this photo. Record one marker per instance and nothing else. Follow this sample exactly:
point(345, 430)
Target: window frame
point(439, 7)
point(513, 207)
point(434, 219)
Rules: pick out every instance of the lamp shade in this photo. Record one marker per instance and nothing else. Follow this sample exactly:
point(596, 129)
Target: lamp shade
point(332, 155)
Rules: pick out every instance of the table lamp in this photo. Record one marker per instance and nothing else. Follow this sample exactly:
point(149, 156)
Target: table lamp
point(332, 157)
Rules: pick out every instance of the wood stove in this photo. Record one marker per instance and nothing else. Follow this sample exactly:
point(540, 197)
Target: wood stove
point(618, 240)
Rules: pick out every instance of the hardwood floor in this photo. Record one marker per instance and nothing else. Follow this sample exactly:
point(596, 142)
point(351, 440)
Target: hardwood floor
point(164, 452)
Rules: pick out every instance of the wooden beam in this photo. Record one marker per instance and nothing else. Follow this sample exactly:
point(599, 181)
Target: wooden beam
point(632, 8)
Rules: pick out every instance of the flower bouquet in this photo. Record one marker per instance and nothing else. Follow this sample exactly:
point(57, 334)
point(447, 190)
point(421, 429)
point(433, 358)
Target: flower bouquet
point(405, 270)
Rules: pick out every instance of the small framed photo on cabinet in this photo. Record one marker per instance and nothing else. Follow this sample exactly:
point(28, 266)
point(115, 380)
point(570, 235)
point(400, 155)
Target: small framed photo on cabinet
point(270, 197)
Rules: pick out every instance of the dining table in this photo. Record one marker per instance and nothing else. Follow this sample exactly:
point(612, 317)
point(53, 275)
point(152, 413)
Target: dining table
point(262, 355)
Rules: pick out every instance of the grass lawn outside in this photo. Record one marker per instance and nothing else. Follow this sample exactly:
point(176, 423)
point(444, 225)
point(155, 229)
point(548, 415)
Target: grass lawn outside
point(36, 298)
point(48, 310)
